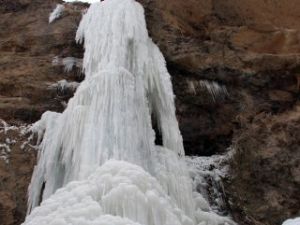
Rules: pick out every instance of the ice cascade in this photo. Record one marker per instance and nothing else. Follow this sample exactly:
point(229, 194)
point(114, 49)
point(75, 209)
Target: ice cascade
point(98, 162)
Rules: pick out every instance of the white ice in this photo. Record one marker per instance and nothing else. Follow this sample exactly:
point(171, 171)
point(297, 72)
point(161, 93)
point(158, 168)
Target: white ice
point(69, 63)
point(109, 119)
point(118, 189)
point(64, 85)
point(57, 13)
point(295, 221)
point(88, 1)
point(210, 170)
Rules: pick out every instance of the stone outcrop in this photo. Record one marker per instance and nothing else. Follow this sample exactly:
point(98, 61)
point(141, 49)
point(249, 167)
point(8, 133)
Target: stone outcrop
point(28, 45)
point(247, 52)
point(264, 188)
point(17, 160)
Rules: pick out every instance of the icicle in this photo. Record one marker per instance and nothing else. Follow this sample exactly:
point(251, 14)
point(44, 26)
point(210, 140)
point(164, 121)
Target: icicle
point(215, 90)
point(64, 85)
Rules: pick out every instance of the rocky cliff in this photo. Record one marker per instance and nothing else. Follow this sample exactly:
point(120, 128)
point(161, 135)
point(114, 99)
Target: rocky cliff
point(235, 67)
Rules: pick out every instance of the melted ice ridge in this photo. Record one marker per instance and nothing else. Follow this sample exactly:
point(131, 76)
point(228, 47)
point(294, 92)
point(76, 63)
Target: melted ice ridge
point(106, 134)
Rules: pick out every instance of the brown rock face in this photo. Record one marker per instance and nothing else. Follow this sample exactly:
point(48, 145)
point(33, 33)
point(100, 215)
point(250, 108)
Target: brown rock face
point(266, 169)
point(15, 175)
point(28, 45)
point(235, 67)
point(240, 44)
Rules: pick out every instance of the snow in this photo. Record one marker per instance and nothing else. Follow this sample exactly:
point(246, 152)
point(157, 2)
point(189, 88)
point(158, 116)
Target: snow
point(8, 133)
point(57, 13)
point(98, 162)
point(295, 221)
point(4, 128)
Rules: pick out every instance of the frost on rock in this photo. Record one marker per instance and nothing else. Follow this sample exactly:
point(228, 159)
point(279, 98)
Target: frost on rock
point(209, 170)
point(215, 90)
point(57, 12)
point(4, 127)
point(64, 85)
point(9, 137)
point(4, 152)
point(295, 221)
point(107, 128)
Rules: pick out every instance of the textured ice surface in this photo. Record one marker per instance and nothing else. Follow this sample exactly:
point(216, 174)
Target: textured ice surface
point(109, 119)
point(89, 1)
point(209, 170)
point(117, 188)
point(295, 221)
point(57, 12)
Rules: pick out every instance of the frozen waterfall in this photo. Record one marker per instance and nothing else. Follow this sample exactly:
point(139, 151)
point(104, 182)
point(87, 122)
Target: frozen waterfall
point(98, 162)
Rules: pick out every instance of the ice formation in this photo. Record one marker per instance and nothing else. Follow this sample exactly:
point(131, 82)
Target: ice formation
point(10, 137)
point(295, 221)
point(57, 12)
point(98, 163)
point(215, 90)
point(4, 152)
point(117, 188)
point(4, 128)
point(89, 1)
point(64, 85)
point(210, 170)
point(70, 62)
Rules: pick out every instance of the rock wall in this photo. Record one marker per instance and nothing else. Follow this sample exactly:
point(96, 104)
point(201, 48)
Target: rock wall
point(17, 160)
point(266, 169)
point(235, 67)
